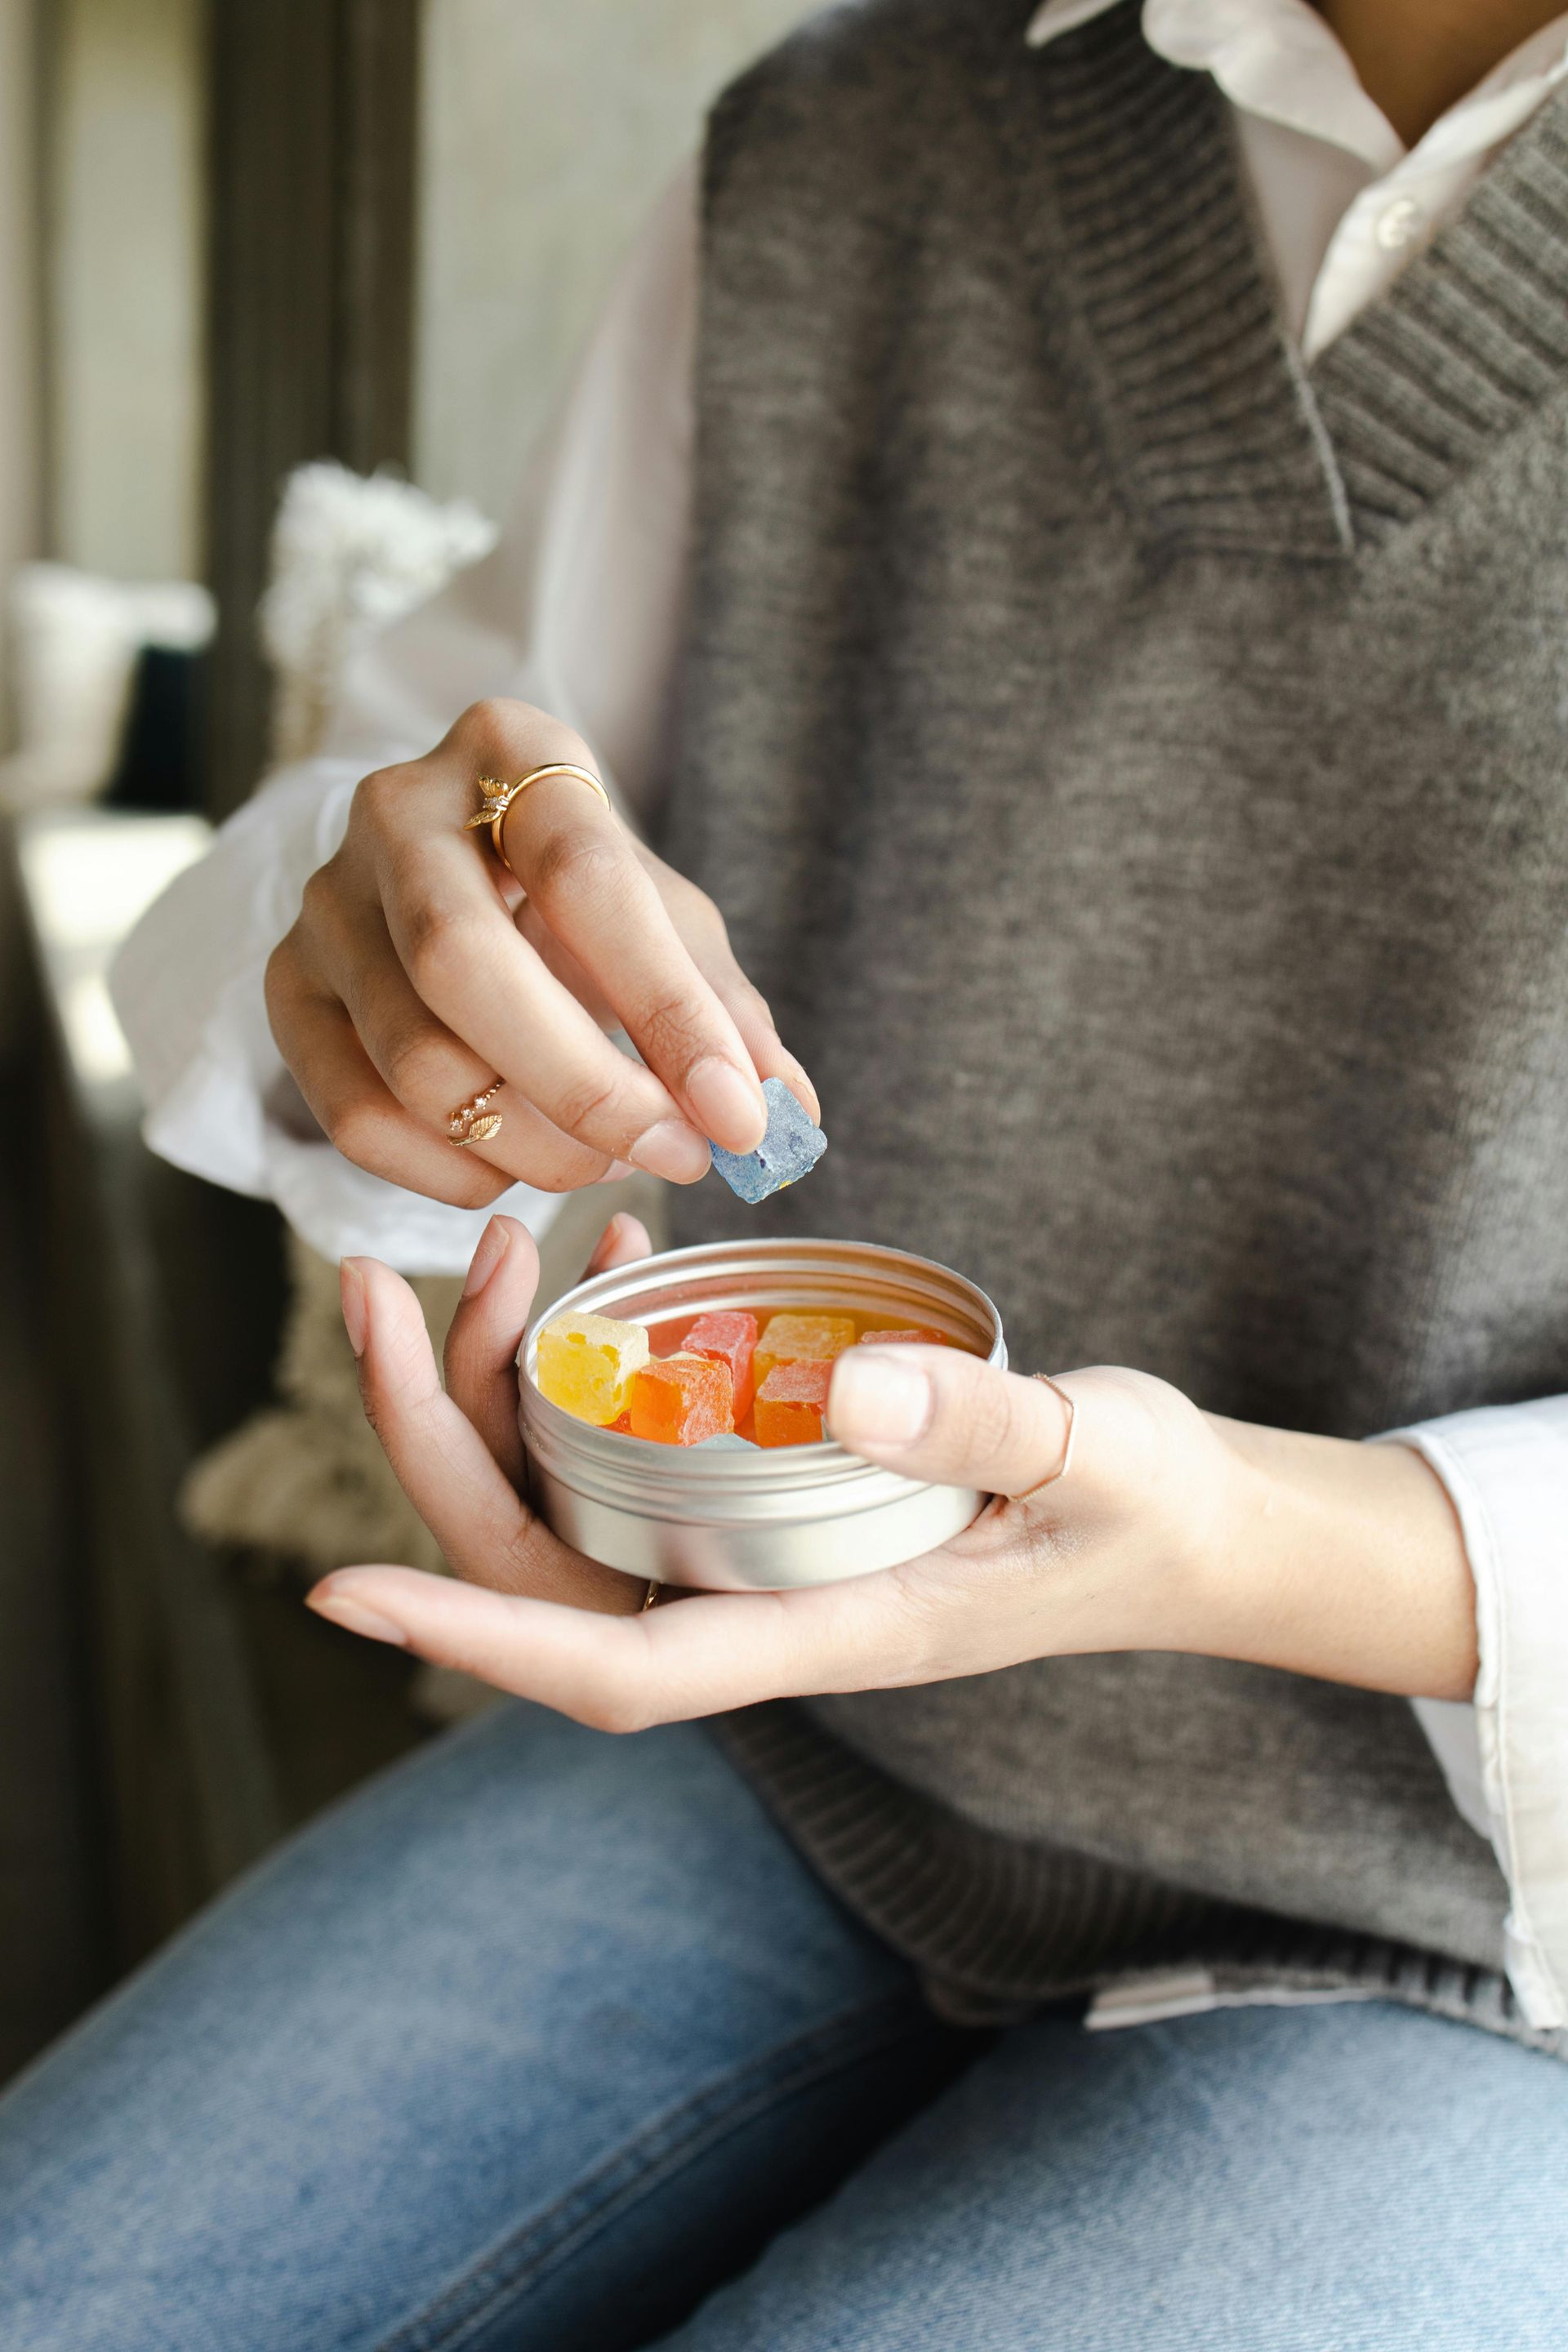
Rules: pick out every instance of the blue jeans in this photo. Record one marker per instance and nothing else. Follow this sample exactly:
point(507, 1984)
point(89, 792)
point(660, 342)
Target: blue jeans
point(547, 2040)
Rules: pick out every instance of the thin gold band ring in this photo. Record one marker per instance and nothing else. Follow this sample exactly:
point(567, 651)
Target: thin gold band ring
point(1065, 1464)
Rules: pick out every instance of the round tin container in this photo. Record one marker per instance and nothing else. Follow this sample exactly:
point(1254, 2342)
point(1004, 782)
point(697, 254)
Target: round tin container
point(782, 1516)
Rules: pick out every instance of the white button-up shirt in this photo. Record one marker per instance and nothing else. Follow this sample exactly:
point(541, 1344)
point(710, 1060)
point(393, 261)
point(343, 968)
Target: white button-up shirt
point(581, 611)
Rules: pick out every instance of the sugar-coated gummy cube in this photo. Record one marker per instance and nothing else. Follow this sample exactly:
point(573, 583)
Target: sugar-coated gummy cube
point(794, 1339)
point(727, 1442)
point(919, 1334)
point(680, 1400)
point(790, 1150)
point(586, 1363)
point(730, 1337)
point(791, 1403)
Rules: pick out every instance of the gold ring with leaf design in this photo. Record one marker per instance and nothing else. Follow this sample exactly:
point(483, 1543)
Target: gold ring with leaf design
point(474, 1121)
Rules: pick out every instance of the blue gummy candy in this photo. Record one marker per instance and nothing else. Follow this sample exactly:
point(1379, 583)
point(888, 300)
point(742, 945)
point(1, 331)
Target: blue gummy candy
point(790, 1150)
point(726, 1443)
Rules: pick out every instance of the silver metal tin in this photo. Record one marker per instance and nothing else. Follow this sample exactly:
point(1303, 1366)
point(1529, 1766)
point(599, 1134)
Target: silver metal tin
point(737, 1522)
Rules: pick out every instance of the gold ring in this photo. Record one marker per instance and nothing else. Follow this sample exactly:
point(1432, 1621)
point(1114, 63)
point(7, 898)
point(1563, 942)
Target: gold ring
point(471, 1122)
point(1065, 1464)
point(499, 798)
point(650, 1598)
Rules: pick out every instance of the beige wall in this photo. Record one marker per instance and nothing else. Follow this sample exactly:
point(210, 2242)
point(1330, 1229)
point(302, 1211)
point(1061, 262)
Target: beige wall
point(20, 502)
point(125, 285)
point(548, 127)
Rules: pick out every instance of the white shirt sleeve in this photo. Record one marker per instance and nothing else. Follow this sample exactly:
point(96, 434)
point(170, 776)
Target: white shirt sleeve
point(579, 609)
point(1506, 1759)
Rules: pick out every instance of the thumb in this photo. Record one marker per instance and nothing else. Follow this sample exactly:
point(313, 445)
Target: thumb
point(941, 1414)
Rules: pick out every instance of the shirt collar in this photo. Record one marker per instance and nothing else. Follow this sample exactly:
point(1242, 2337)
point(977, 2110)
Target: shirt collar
point(1278, 59)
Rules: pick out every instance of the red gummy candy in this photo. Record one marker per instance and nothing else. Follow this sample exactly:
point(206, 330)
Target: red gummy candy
point(680, 1400)
point(729, 1338)
point(790, 1403)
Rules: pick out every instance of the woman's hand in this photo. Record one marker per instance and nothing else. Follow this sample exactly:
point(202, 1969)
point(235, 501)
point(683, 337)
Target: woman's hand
point(1171, 1531)
point(416, 975)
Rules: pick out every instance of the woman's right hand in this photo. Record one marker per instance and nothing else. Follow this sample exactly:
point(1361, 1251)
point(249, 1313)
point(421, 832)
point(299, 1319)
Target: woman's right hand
point(417, 974)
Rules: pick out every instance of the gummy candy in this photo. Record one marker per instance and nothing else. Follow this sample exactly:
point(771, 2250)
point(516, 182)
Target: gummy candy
point(726, 1443)
point(585, 1362)
point(730, 1338)
point(790, 1150)
point(917, 1336)
point(790, 1403)
point(794, 1339)
point(680, 1400)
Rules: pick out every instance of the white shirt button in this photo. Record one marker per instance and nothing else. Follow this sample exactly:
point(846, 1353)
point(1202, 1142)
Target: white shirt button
point(1400, 225)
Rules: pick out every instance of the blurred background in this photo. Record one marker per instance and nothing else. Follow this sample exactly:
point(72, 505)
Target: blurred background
point(237, 238)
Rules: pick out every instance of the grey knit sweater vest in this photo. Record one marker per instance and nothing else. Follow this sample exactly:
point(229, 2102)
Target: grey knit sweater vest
point(1133, 767)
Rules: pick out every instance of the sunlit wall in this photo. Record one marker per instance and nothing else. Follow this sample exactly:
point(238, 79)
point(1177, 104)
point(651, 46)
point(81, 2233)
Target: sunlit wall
point(124, 279)
point(547, 130)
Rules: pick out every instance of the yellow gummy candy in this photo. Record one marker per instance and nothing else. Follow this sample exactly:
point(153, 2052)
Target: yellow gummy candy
point(586, 1363)
point(802, 1339)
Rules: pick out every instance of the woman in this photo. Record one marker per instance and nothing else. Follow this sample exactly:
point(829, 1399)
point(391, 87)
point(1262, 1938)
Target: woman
point(1118, 718)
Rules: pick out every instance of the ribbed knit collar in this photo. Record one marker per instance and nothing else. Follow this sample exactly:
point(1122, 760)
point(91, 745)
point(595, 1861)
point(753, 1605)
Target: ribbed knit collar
point(1213, 432)
point(1470, 341)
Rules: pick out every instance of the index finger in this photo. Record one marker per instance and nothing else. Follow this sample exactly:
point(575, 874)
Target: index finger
point(484, 1528)
point(582, 875)
point(471, 967)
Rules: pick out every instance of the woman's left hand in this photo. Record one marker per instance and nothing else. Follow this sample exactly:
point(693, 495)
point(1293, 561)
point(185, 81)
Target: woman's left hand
point(1172, 1529)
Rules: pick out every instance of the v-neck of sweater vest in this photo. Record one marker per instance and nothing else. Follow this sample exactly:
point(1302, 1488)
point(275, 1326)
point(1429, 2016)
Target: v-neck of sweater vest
point(1214, 433)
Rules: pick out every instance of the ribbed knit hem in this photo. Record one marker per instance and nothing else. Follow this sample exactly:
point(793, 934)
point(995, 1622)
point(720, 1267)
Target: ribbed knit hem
point(998, 1926)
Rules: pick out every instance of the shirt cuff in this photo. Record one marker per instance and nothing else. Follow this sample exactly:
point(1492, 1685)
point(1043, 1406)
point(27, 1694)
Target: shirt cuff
point(1506, 1470)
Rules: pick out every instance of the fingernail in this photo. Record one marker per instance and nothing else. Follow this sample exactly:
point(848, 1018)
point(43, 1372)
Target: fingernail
point(604, 1245)
point(877, 1399)
point(356, 1309)
point(355, 1617)
point(616, 1173)
point(728, 1105)
point(801, 1088)
point(671, 1150)
point(494, 1244)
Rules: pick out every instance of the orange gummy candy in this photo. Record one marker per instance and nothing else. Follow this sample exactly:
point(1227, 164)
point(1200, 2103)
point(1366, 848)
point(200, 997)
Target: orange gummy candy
point(790, 1403)
point(680, 1400)
point(796, 1338)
